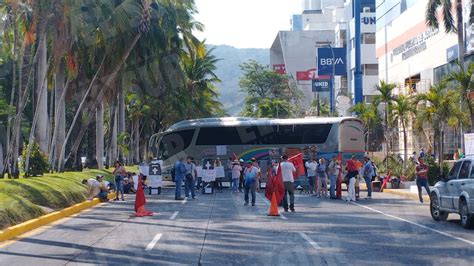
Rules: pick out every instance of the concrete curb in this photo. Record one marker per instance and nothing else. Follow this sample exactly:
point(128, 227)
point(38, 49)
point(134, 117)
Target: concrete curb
point(405, 194)
point(16, 230)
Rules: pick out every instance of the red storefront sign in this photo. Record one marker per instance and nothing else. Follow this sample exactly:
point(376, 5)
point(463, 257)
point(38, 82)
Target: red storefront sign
point(309, 75)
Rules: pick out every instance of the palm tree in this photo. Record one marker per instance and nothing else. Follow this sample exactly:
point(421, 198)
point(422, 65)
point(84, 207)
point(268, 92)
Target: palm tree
point(200, 80)
point(401, 110)
point(368, 114)
point(439, 107)
point(385, 96)
point(465, 85)
point(450, 26)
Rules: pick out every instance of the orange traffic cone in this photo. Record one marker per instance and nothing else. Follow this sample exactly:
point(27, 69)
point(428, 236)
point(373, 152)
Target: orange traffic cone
point(273, 211)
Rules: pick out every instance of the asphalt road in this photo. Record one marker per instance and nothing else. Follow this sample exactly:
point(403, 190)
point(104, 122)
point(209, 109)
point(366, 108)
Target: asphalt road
point(218, 230)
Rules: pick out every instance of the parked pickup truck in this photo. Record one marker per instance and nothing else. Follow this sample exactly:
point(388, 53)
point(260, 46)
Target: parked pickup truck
point(454, 193)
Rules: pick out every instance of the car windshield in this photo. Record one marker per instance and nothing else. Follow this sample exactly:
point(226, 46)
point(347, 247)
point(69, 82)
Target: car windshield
point(454, 171)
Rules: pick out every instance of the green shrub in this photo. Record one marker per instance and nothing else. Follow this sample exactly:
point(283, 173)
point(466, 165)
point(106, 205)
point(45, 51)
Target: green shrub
point(396, 167)
point(434, 172)
point(38, 164)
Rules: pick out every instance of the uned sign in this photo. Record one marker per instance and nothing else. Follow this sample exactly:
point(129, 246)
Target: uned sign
point(321, 85)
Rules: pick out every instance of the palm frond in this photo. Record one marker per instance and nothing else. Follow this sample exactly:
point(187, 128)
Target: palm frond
point(448, 19)
point(431, 13)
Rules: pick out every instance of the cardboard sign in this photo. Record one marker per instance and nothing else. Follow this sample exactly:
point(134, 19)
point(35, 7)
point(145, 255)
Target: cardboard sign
point(208, 175)
point(199, 171)
point(220, 172)
point(154, 177)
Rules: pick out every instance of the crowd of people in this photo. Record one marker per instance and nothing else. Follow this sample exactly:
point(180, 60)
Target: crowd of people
point(246, 177)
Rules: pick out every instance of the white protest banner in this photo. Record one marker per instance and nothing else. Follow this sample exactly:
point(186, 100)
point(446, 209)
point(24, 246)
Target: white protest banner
point(220, 172)
point(154, 174)
point(208, 175)
point(199, 171)
point(469, 143)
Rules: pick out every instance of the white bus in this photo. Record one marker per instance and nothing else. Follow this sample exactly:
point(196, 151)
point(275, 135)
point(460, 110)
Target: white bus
point(262, 139)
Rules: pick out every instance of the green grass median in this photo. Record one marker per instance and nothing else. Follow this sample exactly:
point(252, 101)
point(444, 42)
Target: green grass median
point(27, 198)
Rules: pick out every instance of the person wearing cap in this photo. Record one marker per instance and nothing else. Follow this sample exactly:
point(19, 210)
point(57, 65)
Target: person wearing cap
point(250, 181)
point(236, 169)
point(368, 172)
point(287, 170)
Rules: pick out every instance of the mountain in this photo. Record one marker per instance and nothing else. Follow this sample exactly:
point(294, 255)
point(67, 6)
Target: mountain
point(229, 73)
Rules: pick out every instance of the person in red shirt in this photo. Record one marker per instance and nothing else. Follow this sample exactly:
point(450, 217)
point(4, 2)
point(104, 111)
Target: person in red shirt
point(352, 172)
point(421, 171)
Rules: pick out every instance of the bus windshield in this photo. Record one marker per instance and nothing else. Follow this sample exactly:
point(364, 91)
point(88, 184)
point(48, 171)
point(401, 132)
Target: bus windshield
point(172, 143)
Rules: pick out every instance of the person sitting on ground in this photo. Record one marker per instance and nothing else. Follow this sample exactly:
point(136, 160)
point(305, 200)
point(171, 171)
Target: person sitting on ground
point(96, 188)
point(128, 184)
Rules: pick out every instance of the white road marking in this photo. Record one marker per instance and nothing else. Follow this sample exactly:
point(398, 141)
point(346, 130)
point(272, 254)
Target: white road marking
point(416, 224)
point(174, 215)
point(310, 241)
point(184, 201)
point(283, 217)
point(153, 242)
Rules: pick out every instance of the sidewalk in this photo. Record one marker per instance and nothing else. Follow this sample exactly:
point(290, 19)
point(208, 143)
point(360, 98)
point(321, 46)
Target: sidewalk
point(408, 194)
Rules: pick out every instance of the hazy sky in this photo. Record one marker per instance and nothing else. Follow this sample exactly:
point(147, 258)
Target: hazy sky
point(245, 23)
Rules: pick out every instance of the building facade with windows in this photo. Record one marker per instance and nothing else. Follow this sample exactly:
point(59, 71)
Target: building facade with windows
point(345, 37)
point(414, 57)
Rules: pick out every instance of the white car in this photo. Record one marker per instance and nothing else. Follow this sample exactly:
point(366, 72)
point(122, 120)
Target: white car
point(454, 193)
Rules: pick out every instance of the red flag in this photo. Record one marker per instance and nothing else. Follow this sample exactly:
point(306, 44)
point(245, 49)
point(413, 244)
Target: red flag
point(233, 157)
point(140, 201)
point(274, 184)
point(297, 161)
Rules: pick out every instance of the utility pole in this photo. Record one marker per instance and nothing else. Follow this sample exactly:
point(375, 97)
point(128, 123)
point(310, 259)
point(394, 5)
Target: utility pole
point(358, 95)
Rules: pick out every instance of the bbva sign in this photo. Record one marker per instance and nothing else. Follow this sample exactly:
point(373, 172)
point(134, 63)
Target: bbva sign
point(331, 61)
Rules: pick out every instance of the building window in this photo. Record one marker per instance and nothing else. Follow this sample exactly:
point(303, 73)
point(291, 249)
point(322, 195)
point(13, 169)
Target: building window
point(370, 69)
point(368, 38)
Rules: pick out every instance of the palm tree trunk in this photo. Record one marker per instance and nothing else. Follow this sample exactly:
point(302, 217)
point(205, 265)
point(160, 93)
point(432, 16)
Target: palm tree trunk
point(12, 95)
point(386, 137)
point(108, 82)
point(59, 131)
point(137, 141)
point(460, 33)
point(99, 136)
point(41, 127)
point(405, 147)
point(440, 148)
point(121, 114)
point(76, 116)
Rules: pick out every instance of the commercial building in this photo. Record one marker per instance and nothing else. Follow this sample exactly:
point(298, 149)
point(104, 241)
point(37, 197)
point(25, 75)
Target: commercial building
point(414, 56)
point(294, 52)
point(345, 37)
point(329, 25)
